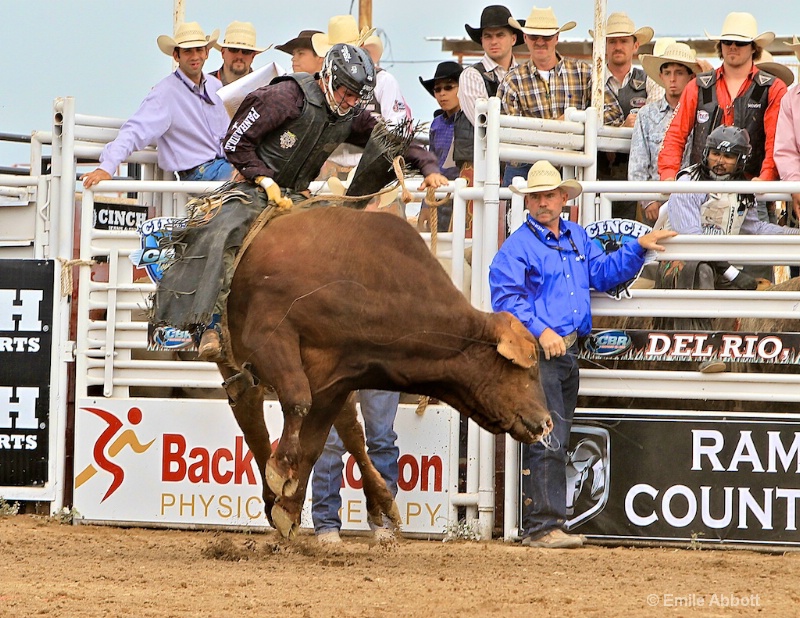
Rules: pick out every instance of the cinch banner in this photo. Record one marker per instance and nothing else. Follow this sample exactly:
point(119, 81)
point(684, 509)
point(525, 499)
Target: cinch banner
point(685, 476)
point(26, 321)
point(168, 462)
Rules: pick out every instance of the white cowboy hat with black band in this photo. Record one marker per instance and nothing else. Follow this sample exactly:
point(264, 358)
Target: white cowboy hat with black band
point(742, 27)
point(619, 24)
point(187, 35)
point(676, 53)
point(544, 177)
point(240, 35)
point(541, 22)
point(341, 29)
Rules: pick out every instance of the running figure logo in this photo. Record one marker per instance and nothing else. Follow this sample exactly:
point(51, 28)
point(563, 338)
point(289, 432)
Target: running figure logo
point(104, 452)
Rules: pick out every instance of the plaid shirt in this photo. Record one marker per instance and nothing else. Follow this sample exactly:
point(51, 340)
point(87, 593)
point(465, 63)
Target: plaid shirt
point(524, 92)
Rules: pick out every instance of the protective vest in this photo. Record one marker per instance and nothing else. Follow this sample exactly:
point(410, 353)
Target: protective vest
point(297, 149)
point(748, 113)
point(463, 131)
point(633, 95)
point(721, 213)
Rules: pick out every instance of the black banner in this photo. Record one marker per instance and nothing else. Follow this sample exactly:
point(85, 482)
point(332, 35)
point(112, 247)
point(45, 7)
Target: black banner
point(646, 345)
point(115, 216)
point(685, 477)
point(26, 321)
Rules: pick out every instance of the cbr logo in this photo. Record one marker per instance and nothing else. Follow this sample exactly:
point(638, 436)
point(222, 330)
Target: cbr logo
point(609, 343)
point(104, 449)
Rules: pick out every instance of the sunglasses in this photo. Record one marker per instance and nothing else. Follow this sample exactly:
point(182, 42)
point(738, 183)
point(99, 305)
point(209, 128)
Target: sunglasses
point(445, 87)
point(736, 43)
point(545, 38)
point(244, 52)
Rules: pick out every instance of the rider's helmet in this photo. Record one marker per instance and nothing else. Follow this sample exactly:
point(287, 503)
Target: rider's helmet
point(730, 140)
point(349, 66)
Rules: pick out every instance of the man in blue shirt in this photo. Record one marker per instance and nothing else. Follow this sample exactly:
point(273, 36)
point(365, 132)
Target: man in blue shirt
point(542, 274)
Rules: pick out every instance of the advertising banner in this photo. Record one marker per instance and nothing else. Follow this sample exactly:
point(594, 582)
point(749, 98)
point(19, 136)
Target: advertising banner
point(170, 462)
point(654, 345)
point(26, 319)
point(685, 476)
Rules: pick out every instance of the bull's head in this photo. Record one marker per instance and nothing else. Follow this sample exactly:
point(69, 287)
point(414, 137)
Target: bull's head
point(500, 381)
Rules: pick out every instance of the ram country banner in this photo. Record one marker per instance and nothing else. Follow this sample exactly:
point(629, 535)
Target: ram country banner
point(163, 462)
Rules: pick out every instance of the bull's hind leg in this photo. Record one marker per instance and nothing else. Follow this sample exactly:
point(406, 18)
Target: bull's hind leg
point(379, 499)
point(246, 399)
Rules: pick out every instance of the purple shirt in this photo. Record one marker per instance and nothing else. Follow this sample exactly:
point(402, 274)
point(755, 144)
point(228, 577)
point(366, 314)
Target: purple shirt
point(187, 123)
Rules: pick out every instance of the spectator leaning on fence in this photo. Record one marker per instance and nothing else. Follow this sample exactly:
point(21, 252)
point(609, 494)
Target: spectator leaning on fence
point(670, 70)
point(182, 114)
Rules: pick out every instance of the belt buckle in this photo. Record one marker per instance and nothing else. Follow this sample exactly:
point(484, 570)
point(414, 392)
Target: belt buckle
point(569, 340)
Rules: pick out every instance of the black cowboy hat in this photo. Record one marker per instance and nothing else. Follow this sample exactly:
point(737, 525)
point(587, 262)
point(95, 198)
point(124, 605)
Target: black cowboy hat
point(302, 40)
point(494, 16)
point(445, 70)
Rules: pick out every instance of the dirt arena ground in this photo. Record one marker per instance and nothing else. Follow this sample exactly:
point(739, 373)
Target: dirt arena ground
point(50, 569)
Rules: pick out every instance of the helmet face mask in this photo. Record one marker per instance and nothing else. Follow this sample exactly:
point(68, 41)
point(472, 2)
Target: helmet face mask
point(347, 67)
point(727, 140)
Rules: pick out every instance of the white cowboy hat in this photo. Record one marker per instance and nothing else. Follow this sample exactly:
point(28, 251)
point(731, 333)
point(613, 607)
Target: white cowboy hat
point(187, 34)
point(679, 53)
point(619, 24)
point(781, 71)
point(661, 43)
point(542, 22)
point(241, 35)
point(795, 45)
point(742, 27)
point(339, 187)
point(341, 29)
point(544, 177)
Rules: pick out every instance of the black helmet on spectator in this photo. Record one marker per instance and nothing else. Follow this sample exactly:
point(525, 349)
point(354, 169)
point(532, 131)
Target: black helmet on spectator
point(728, 140)
point(351, 67)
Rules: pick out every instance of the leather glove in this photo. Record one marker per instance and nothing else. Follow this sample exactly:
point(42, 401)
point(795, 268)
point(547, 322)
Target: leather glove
point(273, 192)
point(743, 281)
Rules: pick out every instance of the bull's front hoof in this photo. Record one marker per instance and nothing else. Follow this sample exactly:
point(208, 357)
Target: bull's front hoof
point(284, 523)
point(278, 482)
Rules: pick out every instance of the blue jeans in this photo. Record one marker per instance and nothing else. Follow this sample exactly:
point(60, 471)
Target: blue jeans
point(218, 169)
point(515, 170)
point(379, 409)
point(544, 478)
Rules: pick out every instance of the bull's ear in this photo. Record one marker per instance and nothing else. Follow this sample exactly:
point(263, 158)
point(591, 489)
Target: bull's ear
point(515, 342)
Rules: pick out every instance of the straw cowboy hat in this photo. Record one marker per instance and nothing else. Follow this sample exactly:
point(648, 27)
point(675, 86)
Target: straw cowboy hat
point(301, 41)
point(679, 53)
point(795, 45)
point(444, 70)
point(187, 34)
point(542, 22)
point(341, 29)
point(544, 177)
point(781, 71)
point(742, 27)
point(241, 35)
point(376, 41)
point(660, 44)
point(619, 24)
point(494, 16)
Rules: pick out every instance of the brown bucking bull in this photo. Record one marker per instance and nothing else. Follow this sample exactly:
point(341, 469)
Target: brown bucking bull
point(326, 301)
